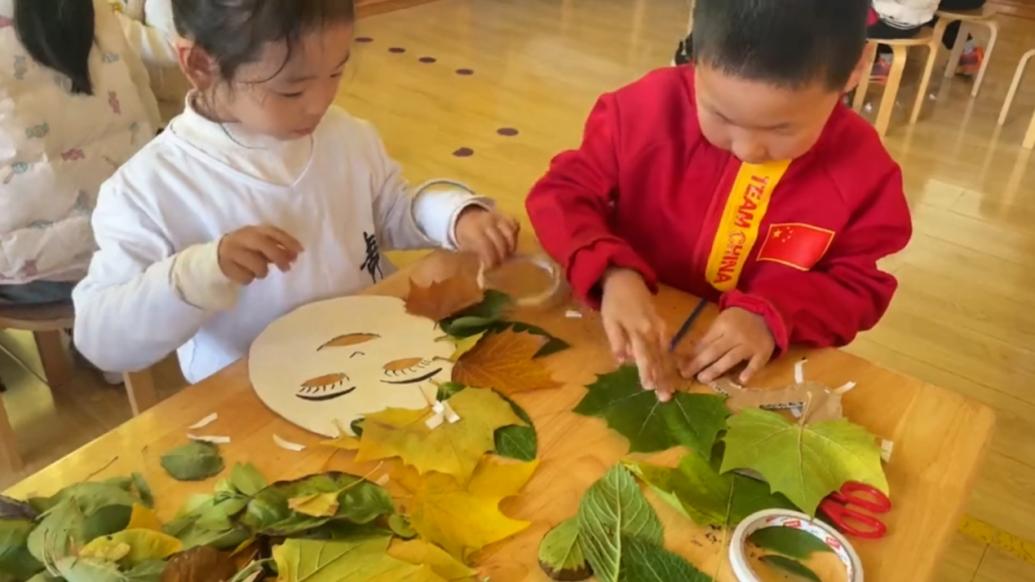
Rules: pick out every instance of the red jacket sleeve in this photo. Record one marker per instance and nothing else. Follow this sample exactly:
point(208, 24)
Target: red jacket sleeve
point(845, 293)
point(571, 207)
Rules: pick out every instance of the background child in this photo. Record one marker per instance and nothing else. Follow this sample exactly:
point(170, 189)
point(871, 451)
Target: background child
point(742, 179)
point(149, 25)
point(259, 172)
point(76, 105)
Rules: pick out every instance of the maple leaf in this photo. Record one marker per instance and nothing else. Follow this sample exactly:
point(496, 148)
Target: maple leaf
point(505, 361)
point(463, 519)
point(451, 448)
point(421, 552)
point(463, 344)
point(442, 299)
point(360, 560)
point(692, 420)
point(804, 462)
point(699, 492)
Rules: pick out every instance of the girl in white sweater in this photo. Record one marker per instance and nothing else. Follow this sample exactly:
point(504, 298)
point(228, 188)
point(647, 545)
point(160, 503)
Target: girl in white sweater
point(74, 105)
point(259, 198)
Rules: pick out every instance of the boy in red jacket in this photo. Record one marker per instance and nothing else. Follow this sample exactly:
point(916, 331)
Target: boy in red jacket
point(741, 178)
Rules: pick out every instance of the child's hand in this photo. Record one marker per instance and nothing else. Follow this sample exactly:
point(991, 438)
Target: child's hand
point(736, 336)
point(634, 329)
point(490, 235)
point(246, 254)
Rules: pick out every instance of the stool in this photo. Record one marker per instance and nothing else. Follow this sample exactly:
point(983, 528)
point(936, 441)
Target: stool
point(984, 16)
point(900, 50)
point(1018, 76)
point(46, 323)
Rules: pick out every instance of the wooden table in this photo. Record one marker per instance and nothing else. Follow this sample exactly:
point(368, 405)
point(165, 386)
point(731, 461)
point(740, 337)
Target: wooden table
point(939, 437)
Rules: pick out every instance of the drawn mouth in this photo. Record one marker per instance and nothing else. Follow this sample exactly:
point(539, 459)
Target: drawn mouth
point(325, 397)
point(427, 376)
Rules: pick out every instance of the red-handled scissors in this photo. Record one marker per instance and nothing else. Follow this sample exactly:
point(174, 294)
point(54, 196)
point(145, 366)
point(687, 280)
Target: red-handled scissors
point(843, 509)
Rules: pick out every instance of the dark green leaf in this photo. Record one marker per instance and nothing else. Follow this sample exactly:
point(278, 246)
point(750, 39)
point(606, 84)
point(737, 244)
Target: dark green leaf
point(447, 390)
point(651, 426)
point(194, 461)
point(246, 479)
point(84, 512)
point(614, 508)
point(15, 558)
point(560, 553)
point(357, 427)
point(74, 569)
point(401, 526)
point(93, 495)
point(150, 571)
point(478, 318)
point(516, 442)
point(359, 501)
point(466, 326)
point(790, 542)
point(14, 509)
point(644, 561)
point(208, 520)
point(792, 567)
point(698, 490)
point(143, 490)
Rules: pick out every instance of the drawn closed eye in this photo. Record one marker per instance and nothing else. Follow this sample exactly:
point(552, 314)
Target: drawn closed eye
point(327, 387)
point(406, 367)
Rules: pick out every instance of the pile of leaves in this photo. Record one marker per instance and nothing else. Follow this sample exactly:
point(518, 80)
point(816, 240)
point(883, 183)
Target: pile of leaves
point(737, 464)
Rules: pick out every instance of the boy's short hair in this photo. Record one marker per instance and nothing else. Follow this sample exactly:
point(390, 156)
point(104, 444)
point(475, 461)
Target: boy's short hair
point(790, 43)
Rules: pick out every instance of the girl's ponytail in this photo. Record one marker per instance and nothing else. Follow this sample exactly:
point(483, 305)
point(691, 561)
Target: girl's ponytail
point(59, 34)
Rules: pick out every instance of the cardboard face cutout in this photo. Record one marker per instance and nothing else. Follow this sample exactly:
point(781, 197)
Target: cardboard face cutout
point(329, 363)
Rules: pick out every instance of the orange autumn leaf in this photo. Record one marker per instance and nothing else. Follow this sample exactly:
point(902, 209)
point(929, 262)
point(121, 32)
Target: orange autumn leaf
point(506, 362)
point(442, 299)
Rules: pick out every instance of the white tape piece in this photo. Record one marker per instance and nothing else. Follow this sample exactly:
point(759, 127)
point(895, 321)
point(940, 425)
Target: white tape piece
point(214, 439)
point(451, 415)
point(573, 314)
point(799, 371)
point(434, 421)
point(848, 387)
point(783, 518)
point(204, 421)
point(383, 480)
point(287, 445)
point(887, 448)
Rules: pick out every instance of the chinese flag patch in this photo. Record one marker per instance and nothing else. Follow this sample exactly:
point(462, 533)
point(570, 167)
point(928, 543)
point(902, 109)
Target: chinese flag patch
point(796, 245)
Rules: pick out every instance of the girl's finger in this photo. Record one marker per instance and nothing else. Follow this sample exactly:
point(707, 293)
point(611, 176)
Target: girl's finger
point(238, 274)
point(618, 339)
point(758, 361)
point(645, 352)
point(499, 243)
point(510, 234)
point(724, 364)
point(705, 356)
point(276, 254)
point(284, 239)
point(252, 261)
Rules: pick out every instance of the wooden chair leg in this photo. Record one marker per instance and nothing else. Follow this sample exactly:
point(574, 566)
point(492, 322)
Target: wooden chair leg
point(57, 363)
point(993, 30)
point(10, 459)
point(925, 81)
point(887, 102)
point(140, 387)
point(957, 50)
point(1018, 76)
point(864, 82)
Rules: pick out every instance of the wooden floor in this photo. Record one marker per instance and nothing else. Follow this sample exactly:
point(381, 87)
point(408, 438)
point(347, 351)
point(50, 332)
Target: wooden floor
point(964, 317)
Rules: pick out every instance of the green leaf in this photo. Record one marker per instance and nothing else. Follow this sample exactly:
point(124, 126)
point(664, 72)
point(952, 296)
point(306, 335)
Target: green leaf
point(560, 553)
point(84, 512)
point(613, 509)
point(150, 571)
point(359, 501)
point(790, 542)
point(246, 479)
point(343, 561)
point(478, 318)
point(693, 420)
point(805, 463)
point(15, 558)
point(698, 490)
point(401, 526)
point(207, 520)
point(516, 441)
point(447, 390)
point(357, 426)
point(792, 567)
point(135, 546)
point(643, 561)
point(143, 490)
point(194, 461)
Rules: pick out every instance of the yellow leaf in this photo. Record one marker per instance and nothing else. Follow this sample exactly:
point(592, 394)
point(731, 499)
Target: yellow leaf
point(144, 518)
point(420, 552)
point(451, 448)
point(506, 362)
point(464, 519)
point(464, 345)
point(316, 505)
point(140, 545)
point(356, 560)
point(443, 298)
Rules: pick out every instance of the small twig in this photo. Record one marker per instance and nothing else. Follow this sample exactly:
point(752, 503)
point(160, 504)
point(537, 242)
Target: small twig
point(102, 469)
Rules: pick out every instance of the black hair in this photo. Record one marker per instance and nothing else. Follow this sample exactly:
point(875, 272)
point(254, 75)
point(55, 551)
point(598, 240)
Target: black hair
point(233, 32)
point(789, 43)
point(58, 34)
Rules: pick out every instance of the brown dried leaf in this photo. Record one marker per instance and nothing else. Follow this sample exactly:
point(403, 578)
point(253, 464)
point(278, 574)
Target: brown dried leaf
point(444, 298)
point(506, 362)
point(820, 402)
point(200, 564)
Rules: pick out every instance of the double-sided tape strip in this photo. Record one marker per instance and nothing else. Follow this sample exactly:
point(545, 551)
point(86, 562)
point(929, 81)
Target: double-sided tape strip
point(792, 519)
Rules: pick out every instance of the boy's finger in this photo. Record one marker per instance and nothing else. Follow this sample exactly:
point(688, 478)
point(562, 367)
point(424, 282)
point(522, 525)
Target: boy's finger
point(510, 235)
point(724, 364)
point(500, 245)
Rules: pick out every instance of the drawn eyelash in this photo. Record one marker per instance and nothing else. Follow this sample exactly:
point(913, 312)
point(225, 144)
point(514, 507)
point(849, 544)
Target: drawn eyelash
point(326, 387)
point(405, 371)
